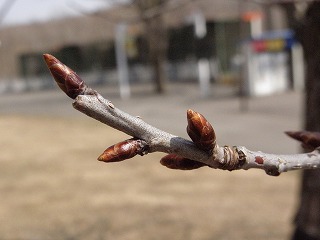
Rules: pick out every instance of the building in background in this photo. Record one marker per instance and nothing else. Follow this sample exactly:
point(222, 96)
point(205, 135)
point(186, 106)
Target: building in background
point(86, 43)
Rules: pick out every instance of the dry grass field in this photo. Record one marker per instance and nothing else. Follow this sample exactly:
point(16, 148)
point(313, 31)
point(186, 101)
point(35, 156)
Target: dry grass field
point(51, 187)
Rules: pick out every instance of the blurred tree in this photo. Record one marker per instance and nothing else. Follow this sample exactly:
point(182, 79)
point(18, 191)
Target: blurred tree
point(307, 221)
point(308, 32)
point(151, 14)
point(155, 32)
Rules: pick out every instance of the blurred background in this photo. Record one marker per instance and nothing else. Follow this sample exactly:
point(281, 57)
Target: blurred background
point(239, 63)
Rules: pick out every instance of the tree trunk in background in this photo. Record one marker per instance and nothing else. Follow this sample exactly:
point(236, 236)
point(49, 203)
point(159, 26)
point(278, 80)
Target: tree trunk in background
point(157, 41)
point(307, 221)
point(151, 13)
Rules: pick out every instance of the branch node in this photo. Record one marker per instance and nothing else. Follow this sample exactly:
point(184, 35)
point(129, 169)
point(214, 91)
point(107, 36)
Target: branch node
point(233, 158)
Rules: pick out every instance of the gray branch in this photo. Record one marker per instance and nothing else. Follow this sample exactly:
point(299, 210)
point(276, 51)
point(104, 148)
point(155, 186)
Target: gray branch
point(103, 110)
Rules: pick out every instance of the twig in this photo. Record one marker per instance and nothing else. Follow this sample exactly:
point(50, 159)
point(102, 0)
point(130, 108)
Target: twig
point(182, 154)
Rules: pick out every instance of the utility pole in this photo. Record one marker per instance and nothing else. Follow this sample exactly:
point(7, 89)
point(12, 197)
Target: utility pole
point(122, 61)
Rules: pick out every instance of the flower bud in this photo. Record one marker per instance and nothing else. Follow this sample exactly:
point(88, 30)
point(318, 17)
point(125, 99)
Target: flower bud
point(65, 77)
point(123, 150)
point(174, 161)
point(200, 131)
point(309, 140)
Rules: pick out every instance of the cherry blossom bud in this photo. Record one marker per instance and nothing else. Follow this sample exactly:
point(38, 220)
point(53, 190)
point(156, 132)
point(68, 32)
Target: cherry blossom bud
point(309, 140)
point(123, 150)
point(200, 131)
point(174, 161)
point(65, 77)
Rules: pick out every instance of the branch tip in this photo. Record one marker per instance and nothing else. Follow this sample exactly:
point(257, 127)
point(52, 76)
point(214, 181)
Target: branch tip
point(309, 140)
point(68, 81)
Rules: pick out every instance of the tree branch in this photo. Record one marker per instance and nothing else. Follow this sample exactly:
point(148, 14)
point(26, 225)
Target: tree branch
point(103, 110)
point(182, 154)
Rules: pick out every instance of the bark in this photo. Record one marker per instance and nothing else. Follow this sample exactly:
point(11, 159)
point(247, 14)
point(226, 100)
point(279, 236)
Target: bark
point(308, 215)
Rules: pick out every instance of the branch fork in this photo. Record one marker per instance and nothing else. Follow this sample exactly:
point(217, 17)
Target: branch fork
point(182, 154)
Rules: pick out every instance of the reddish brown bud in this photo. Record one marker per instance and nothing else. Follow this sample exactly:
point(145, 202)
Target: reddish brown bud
point(174, 161)
point(200, 131)
point(65, 77)
point(123, 150)
point(309, 140)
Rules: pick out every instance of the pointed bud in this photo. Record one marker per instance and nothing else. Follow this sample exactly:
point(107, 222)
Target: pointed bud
point(200, 131)
point(65, 77)
point(309, 140)
point(123, 150)
point(174, 161)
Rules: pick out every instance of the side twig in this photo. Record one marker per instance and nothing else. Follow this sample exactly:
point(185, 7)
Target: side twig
point(183, 154)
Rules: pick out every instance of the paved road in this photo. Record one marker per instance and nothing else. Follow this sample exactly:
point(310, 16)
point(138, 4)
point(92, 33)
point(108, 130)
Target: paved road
point(260, 128)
